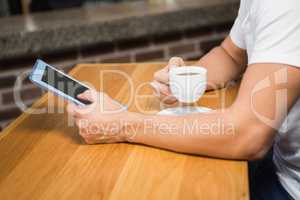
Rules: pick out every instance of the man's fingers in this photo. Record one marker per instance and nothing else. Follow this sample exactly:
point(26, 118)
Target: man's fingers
point(162, 76)
point(89, 95)
point(168, 99)
point(77, 111)
point(161, 88)
point(81, 123)
point(163, 92)
point(71, 109)
point(175, 62)
point(155, 87)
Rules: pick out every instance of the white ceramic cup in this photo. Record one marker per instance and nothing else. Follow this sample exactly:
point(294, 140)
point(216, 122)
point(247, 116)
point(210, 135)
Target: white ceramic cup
point(188, 84)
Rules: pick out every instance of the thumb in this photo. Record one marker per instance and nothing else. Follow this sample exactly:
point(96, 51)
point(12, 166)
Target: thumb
point(89, 95)
point(175, 62)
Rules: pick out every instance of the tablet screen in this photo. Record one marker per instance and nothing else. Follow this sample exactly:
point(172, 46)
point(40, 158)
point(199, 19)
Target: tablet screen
point(63, 83)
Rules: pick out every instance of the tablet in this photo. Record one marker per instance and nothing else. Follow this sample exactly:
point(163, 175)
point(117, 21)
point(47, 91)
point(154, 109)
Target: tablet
point(61, 84)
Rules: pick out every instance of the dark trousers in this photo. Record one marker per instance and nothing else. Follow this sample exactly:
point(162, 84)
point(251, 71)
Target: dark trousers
point(264, 183)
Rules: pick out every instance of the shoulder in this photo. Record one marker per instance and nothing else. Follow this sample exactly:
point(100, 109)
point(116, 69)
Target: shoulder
point(277, 27)
point(276, 8)
point(276, 15)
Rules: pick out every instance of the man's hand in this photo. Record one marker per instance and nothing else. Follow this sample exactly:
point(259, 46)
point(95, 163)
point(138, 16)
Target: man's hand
point(99, 122)
point(161, 81)
point(224, 63)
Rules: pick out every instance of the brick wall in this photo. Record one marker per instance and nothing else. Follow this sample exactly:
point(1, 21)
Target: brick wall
point(189, 44)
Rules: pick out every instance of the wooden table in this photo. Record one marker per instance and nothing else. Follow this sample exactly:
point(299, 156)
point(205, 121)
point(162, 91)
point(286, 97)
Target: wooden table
point(41, 157)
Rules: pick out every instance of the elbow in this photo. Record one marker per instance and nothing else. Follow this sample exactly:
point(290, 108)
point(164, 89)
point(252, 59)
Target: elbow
point(255, 154)
point(253, 143)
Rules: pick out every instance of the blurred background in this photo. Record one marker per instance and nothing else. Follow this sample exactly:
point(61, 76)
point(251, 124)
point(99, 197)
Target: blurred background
point(67, 32)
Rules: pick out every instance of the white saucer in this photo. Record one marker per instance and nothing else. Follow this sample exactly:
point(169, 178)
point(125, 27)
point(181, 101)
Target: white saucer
point(184, 110)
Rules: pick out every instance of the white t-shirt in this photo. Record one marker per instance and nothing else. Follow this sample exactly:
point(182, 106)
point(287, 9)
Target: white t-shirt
point(270, 32)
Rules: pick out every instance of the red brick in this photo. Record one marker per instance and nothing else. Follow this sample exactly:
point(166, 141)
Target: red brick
point(166, 38)
point(224, 27)
point(117, 59)
point(15, 63)
point(60, 56)
point(132, 44)
point(97, 49)
point(182, 49)
point(9, 114)
point(198, 31)
point(194, 57)
point(150, 55)
point(26, 94)
point(7, 81)
point(206, 46)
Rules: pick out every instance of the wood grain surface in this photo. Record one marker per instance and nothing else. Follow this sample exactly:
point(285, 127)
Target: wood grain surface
point(43, 157)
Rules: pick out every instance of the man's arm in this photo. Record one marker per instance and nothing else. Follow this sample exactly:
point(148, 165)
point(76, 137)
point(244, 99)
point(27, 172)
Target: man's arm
point(267, 92)
point(224, 63)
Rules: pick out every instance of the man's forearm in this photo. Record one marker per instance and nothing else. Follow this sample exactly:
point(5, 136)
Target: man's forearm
point(212, 134)
point(215, 134)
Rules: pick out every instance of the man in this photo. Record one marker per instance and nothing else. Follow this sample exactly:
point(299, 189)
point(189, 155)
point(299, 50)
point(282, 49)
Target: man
point(264, 47)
